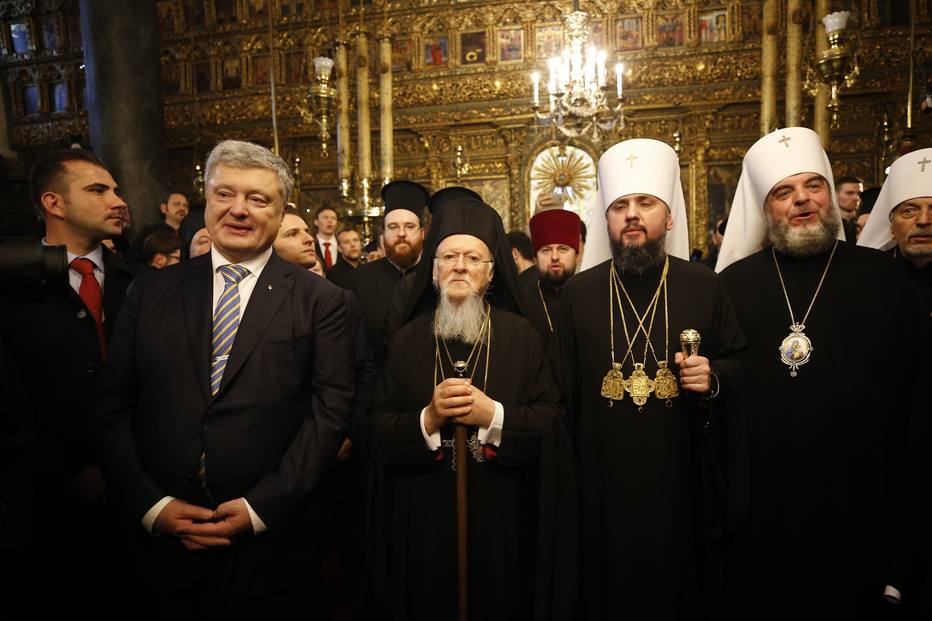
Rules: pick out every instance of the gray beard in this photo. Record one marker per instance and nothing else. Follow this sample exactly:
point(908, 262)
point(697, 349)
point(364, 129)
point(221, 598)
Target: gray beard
point(459, 322)
point(804, 241)
point(636, 259)
point(918, 253)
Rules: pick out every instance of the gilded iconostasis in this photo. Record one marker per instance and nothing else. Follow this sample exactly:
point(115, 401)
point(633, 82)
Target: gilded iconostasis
point(462, 91)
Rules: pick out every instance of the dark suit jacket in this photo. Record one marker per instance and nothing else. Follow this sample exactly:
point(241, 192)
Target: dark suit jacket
point(52, 347)
point(269, 434)
point(342, 274)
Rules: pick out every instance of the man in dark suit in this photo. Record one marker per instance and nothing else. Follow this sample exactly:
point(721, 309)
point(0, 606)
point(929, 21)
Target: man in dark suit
point(218, 440)
point(55, 339)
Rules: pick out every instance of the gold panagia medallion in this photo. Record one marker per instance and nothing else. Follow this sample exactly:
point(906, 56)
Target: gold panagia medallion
point(639, 385)
point(613, 384)
point(665, 384)
point(796, 348)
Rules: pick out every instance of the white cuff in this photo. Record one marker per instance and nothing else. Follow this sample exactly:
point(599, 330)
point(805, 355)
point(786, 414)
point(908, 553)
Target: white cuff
point(258, 526)
point(493, 433)
point(148, 520)
point(892, 594)
point(431, 440)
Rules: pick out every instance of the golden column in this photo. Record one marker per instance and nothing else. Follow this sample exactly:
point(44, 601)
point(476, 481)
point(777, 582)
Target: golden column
point(821, 115)
point(343, 119)
point(794, 57)
point(363, 132)
point(768, 86)
point(386, 123)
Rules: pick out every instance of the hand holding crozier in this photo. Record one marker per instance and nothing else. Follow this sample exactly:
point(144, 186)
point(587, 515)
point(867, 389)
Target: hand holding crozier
point(695, 371)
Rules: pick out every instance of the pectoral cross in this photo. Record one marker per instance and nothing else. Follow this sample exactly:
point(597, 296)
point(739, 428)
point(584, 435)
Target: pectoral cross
point(631, 159)
point(923, 163)
point(785, 140)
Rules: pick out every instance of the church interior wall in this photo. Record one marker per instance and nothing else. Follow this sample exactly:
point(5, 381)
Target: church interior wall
point(461, 76)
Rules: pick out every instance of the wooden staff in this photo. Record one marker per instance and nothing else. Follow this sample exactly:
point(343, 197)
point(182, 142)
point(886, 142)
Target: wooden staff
point(461, 520)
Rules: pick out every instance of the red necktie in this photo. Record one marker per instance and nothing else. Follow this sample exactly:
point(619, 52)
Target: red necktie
point(91, 296)
point(328, 258)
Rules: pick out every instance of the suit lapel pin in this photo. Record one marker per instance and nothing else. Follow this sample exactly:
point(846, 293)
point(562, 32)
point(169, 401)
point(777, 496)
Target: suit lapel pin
point(270, 287)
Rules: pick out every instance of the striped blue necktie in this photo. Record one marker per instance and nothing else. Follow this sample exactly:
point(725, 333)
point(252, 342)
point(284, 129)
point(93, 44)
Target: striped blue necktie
point(226, 321)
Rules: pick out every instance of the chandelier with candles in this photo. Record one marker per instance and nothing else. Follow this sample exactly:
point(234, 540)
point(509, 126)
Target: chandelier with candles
point(578, 99)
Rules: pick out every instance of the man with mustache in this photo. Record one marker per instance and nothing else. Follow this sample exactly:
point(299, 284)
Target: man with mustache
point(657, 434)
point(467, 359)
point(901, 223)
point(555, 239)
point(403, 236)
point(827, 402)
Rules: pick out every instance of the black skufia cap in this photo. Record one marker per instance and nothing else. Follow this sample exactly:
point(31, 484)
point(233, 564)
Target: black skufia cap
point(450, 194)
point(403, 194)
point(470, 217)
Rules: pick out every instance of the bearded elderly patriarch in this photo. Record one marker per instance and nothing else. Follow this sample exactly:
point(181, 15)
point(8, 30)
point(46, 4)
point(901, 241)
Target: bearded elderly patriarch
point(403, 237)
point(832, 375)
point(468, 358)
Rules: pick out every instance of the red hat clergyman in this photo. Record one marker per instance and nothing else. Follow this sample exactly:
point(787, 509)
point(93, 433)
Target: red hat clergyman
point(555, 226)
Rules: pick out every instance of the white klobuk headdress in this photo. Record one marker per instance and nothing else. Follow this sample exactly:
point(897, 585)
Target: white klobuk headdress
point(776, 156)
point(910, 177)
point(638, 166)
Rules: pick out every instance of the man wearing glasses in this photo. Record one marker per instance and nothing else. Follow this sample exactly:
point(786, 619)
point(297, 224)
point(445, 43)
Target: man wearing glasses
point(403, 238)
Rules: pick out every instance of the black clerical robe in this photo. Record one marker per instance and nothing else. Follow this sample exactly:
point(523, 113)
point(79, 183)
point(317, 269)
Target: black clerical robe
point(826, 444)
point(522, 526)
point(541, 301)
point(374, 285)
point(659, 488)
point(342, 274)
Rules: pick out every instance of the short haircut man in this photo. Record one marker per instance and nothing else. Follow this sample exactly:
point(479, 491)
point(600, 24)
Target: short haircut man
point(848, 191)
point(161, 249)
point(326, 221)
point(55, 339)
point(174, 208)
point(521, 250)
point(215, 439)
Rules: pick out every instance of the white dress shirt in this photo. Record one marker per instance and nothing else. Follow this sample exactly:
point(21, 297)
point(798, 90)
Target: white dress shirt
point(95, 256)
point(246, 286)
point(323, 249)
point(487, 435)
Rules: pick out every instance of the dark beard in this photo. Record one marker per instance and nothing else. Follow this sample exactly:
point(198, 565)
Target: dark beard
point(636, 259)
point(556, 281)
point(406, 258)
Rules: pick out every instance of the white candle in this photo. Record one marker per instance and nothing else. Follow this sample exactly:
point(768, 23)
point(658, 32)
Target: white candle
point(535, 79)
point(600, 67)
point(619, 69)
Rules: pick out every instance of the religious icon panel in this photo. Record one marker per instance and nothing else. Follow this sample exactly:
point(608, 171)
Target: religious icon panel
point(712, 27)
point(472, 47)
point(436, 50)
point(628, 34)
point(549, 41)
point(510, 44)
point(670, 30)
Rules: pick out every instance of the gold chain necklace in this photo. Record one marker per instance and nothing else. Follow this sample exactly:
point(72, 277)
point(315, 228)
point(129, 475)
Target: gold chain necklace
point(544, 303)
point(639, 386)
point(665, 384)
point(459, 366)
point(796, 349)
point(473, 444)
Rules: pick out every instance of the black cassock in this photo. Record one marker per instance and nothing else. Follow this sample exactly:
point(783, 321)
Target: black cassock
point(659, 488)
point(374, 285)
point(541, 302)
point(826, 444)
point(522, 507)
